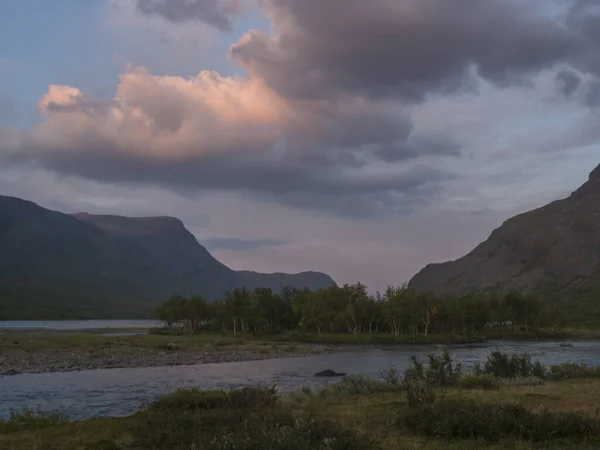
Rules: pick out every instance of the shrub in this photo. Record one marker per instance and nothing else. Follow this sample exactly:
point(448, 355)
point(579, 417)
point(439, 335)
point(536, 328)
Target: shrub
point(26, 419)
point(419, 392)
point(569, 370)
point(196, 399)
point(472, 381)
point(440, 370)
point(502, 365)
point(390, 376)
point(220, 425)
point(490, 422)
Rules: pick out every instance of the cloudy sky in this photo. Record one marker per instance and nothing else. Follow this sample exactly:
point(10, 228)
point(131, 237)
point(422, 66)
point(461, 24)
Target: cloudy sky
point(360, 138)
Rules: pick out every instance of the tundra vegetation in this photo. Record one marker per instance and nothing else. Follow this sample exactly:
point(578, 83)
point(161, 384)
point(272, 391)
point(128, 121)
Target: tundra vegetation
point(506, 402)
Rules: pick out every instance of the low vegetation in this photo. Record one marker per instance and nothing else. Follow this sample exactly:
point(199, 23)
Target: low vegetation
point(28, 420)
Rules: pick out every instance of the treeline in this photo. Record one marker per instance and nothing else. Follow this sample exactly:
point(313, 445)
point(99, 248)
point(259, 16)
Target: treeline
point(350, 309)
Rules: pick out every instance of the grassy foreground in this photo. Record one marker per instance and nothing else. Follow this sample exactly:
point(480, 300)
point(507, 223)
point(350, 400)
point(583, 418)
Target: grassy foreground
point(508, 403)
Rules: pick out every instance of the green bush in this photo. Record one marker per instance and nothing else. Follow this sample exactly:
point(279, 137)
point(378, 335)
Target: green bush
point(220, 424)
point(390, 376)
point(502, 365)
point(472, 381)
point(419, 392)
point(26, 419)
point(440, 370)
point(570, 370)
point(451, 419)
point(196, 399)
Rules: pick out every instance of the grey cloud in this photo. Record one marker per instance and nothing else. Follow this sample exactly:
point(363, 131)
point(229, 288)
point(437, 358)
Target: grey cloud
point(421, 145)
point(236, 244)
point(568, 81)
point(592, 98)
point(406, 49)
point(217, 13)
point(334, 189)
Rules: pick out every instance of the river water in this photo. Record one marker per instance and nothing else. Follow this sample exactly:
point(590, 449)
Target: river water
point(72, 325)
point(118, 392)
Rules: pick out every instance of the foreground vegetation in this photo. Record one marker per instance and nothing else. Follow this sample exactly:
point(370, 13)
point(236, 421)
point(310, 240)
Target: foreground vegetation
point(508, 402)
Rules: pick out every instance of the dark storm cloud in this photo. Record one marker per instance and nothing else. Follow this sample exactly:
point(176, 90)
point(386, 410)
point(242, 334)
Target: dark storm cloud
point(235, 244)
point(402, 48)
point(217, 13)
point(568, 81)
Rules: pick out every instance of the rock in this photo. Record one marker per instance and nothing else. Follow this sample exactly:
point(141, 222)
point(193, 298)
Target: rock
point(566, 344)
point(329, 373)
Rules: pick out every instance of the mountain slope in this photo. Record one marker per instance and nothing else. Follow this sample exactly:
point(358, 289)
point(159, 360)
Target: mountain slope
point(55, 265)
point(553, 251)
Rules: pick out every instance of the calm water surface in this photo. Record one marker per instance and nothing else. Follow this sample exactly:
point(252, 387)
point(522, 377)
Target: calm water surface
point(118, 392)
point(66, 325)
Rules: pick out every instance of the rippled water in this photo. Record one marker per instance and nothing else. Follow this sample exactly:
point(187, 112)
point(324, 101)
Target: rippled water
point(117, 392)
point(75, 324)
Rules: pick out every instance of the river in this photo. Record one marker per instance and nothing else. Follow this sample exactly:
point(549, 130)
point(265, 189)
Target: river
point(74, 325)
point(119, 392)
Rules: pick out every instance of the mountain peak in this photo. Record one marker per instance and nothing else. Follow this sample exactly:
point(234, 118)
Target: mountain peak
point(134, 225)
point(595, 175)
point(102, 266)
point(553, 250)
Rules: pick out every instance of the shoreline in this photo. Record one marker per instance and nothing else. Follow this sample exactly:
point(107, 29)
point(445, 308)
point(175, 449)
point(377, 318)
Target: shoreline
point(53, 361)
point(51, 351)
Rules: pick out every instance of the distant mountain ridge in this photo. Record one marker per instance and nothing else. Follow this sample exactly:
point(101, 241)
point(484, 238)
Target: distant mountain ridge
point(552, 251)
point(103, 266)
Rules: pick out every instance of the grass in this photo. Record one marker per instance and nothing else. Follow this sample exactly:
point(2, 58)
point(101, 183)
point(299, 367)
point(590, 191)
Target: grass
point(26, 419)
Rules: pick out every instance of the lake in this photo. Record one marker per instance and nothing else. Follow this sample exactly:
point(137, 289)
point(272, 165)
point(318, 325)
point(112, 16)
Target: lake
point(119, 392)
point(73, 325)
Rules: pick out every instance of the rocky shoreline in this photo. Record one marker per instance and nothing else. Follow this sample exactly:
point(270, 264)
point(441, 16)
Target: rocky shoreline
point(20, 362)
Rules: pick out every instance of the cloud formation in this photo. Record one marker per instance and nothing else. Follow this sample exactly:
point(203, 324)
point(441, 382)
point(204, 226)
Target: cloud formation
point(322, 118)
point(568, 81)
point(235, 134)
point(406, 49)
point(217, 13)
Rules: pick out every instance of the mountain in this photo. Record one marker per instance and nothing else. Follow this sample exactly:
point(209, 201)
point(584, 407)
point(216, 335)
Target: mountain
point(55, 265)
point(553, 251)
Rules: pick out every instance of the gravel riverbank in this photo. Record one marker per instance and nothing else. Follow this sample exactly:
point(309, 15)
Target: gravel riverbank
point(14, 362)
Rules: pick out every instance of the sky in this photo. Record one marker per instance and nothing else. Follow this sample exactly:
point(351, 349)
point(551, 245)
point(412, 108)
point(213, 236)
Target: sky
point(361, 139)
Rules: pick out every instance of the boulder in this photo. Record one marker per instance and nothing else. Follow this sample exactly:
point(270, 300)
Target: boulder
point(329, 373)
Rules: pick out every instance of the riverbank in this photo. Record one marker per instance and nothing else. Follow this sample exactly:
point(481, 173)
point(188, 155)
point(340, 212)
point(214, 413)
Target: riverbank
point(358, 415)
point(41, 351)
